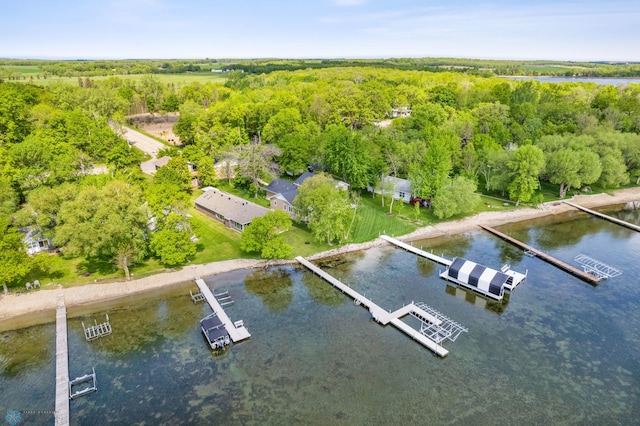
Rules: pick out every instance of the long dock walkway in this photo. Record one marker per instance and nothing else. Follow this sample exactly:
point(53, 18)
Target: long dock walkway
point(236, 333)
point(544, 256)
point(412, 249)
point(62, 365)
point(605, 217)
point(380, 315)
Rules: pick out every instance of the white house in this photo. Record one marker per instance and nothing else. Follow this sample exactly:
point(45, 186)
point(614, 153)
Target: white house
point(34, 241)
point(401, 188)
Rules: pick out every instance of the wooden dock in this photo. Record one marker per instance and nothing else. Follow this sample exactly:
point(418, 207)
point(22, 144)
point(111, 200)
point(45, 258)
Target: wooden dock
point(380, 315)
point(236, 332)
point(544, 256)
point(62, 365)
point(412, 249)
point(605, 217)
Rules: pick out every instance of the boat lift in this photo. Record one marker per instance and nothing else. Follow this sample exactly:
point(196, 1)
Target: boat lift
point(87, 378)
point(596, 268)
point(98, 330)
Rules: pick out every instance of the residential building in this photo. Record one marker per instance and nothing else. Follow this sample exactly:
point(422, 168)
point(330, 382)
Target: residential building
point(234, 212)
point(281, 193)
point(401, 188)
point(34, 241)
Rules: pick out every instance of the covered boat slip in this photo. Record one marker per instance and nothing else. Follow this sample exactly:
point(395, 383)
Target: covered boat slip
point(477, 277)
point(237, 331)
point(215, 331)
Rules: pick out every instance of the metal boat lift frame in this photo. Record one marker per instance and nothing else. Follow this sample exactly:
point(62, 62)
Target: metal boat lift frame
point(596, 268)
point(446, 330)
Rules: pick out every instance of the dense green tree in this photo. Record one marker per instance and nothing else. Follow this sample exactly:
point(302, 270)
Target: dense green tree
point(430, 174)
point(8, 198)
point(43, 205)
point(263, 235)
point(16, 101)
point(166, 197)
point(325, 207)
point(175, 172)
point(456, 197)
point(186, 128)
point(109, 223)
point(347, 155)
point(572, 169)
point(526, 167)
point(614, 171)
point(16, 264)
point(283, 123)
point(172, 242)
point(206, 171)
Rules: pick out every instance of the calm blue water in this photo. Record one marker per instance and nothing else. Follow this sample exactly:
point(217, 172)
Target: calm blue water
point(602, 80)
point(557, 351)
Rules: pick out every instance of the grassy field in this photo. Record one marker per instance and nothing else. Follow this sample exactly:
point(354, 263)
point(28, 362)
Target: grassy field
point(22, 69)
point(215, 241)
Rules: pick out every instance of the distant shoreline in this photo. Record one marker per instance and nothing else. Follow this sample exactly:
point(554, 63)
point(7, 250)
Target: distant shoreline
point(37, 307)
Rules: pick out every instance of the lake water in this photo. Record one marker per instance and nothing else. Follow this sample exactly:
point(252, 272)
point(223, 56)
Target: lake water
point(556, 351)
point(598, 80)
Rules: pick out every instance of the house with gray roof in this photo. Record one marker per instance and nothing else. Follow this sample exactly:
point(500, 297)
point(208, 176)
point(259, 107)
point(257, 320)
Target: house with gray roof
point(281, 193)
point(401, 188)
point(234, 212)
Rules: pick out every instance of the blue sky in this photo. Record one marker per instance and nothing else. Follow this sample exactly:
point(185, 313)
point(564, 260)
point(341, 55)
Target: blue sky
point(498, 29)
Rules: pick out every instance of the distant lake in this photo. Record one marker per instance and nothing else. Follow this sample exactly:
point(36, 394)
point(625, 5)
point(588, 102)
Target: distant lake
point(597, 80)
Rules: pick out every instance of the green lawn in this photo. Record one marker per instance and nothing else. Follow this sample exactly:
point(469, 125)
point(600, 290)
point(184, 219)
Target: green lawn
point(300, 238)
point(22, 69)
point(372, 219)
point(215, 241)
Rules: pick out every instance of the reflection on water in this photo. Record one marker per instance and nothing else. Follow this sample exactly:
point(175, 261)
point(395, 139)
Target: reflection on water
point(557, 351)
point(496, 306)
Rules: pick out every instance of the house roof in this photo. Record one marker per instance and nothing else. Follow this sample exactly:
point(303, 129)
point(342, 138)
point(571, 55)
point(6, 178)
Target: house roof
point(229, 206)
point(280, 186)
point(399, 184)
point(302, 178)
point(288, 196)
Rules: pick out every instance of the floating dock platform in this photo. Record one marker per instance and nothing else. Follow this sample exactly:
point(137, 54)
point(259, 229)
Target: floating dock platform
point(605, 217)
point(434, 329)
point(412, 249)
point(237, 331)
point(486, 281)
point(471, 272)
point(544, 256)
point(62, 365)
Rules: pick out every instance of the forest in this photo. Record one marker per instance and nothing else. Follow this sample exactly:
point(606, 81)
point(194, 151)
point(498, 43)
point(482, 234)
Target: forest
point(14, 69)
point(465, 135)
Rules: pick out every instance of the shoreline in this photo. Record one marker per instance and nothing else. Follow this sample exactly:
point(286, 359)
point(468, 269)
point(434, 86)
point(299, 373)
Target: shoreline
point(26, 309)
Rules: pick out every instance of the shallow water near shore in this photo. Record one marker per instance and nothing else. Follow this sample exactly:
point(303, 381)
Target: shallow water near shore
point(556, 351)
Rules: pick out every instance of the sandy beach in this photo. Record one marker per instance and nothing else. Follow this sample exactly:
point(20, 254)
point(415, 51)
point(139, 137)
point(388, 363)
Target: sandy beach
point(22, 309)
